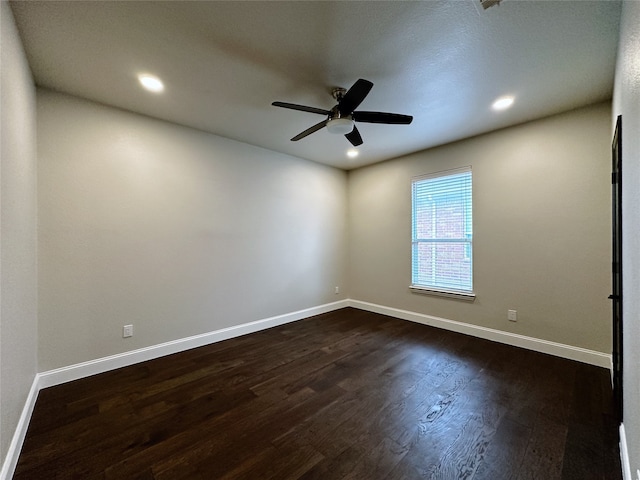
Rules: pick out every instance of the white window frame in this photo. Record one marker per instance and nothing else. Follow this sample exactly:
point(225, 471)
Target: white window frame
point(467, 239)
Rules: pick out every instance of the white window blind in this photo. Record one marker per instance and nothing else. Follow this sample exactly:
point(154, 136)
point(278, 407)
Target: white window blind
point(442, 232)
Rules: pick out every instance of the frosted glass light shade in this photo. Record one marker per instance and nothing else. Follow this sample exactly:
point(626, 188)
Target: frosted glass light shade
point(340, 126)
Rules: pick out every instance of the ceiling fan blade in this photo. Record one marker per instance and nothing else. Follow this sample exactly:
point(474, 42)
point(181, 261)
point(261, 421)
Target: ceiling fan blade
point(302, 108)
point(382, 117)
point(309, 131)
point(354, 96)
point(354, 137)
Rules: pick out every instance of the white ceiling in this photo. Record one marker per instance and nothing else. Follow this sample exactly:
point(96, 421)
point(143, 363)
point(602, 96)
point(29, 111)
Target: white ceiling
point(223, 63)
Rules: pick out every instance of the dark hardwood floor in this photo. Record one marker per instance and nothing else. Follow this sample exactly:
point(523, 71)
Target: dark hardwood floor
point(344, 395)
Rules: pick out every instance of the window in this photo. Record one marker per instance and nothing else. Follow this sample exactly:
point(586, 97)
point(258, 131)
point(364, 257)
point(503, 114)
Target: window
point(442, 233)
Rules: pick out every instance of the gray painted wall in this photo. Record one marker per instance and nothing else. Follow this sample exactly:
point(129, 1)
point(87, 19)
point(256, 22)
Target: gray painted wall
point(18, 282)
point(176, 231)
point(541, 229)
point(627, 103)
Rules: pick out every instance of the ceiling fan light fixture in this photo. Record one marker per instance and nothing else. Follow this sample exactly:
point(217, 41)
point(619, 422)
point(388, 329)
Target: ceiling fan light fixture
point(340, 126)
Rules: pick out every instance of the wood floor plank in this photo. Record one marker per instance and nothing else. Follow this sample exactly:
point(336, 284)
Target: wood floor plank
point(545, 453)
point(505, 451)
point(344, 395)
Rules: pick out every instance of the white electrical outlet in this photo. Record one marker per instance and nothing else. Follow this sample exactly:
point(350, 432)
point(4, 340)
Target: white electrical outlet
point(127, 331)
point(512, 315)
point(337, 290)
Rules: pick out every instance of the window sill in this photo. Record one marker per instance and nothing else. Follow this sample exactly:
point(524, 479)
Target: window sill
point(468, 296)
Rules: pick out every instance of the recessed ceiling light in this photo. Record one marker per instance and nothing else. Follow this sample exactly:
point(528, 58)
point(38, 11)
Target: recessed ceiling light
point(352, 153)
point(502, 103)
point(151, 83)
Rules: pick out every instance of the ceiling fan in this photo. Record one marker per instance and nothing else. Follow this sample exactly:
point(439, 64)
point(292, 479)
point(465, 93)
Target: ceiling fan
point(340, 119)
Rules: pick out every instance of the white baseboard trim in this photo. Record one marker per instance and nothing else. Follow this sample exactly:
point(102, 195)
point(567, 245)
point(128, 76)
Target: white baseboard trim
point(104, 364)
point(100, 365)
point(624, 454)
point(11, 459)
point(530, 343)
point(611, 371)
